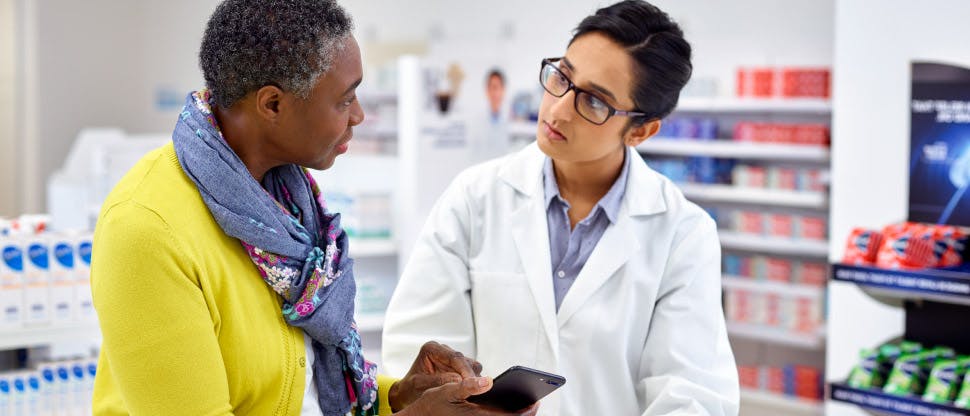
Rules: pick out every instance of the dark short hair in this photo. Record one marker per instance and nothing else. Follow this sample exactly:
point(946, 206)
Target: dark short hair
point(656, 43)
point(249, 44)
point(495, 72)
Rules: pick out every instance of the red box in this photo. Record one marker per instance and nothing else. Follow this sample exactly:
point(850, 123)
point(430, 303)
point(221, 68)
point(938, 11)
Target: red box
point(750, 222)
point(812, 273)
point(781, 225)
point(813, 134)
point(811, 228)
point(756, 82)
point(779, 270)
point(757, 177)
point(805, 82)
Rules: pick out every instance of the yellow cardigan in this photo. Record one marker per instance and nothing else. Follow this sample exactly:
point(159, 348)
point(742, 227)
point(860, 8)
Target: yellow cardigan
point(189, 326)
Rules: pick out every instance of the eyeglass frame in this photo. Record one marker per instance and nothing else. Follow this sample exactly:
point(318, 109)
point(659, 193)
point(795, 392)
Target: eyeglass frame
point(576, 91)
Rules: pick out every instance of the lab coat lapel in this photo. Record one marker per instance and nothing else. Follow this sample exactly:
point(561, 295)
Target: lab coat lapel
point(617, 245)
point(523, 172)
point(532, 242)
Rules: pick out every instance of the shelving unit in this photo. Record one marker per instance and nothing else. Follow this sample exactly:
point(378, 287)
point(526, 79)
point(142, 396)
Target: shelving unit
point(773, 245)
point(49, 334)
point(777, 288)
point(733, 149)
point(756, 344)
point(809, 341)
point(754, 105)
point(372, 247)
point(879, 401)
point(783, 404)
point(755, 196)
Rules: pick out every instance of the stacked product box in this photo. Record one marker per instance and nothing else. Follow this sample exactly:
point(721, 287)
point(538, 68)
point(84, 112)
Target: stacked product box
point(44, 278)
point(802, 134)
point(777, 225)
point(796, 313)
point(50, 388)
point(778, 177)
point(800, 381)
point(776, 269)
point(784, 82)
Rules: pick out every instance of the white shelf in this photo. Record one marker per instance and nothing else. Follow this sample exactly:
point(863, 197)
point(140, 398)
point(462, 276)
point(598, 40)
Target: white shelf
point(755, 105)
point(773, 245)
point(733, 149)
point(523, 128)
point(812, 341)
point(758, 196)
point(766, 286)
point(48, 334)
point(370, 322)
point(784, 404)
point(372, 247)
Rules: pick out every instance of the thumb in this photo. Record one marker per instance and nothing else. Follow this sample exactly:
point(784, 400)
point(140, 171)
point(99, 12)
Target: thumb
point(469, 387)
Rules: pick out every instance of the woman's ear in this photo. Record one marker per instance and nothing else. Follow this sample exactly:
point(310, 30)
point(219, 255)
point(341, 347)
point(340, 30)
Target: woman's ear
point(268, 100)
point(638, 134)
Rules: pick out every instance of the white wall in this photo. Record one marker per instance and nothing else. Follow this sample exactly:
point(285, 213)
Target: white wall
point(8, 169)
point(101, 62)
point(874, 44)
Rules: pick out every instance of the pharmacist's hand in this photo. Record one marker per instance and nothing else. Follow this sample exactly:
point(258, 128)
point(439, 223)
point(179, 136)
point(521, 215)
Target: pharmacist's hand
point(436, 364)
point(449, 399)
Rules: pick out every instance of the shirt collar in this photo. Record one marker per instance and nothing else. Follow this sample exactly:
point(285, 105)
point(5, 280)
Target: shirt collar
point(609, 203)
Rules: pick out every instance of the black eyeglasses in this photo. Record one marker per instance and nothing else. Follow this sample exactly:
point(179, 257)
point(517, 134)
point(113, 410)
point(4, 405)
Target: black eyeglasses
point(593, 109)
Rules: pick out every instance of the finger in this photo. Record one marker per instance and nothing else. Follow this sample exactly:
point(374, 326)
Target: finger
point(476, 366)
point(468, 387)
point(426, 381)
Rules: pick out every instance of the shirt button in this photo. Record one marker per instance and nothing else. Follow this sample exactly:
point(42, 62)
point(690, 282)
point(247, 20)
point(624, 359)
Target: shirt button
point(561, 274)
point(302, 361)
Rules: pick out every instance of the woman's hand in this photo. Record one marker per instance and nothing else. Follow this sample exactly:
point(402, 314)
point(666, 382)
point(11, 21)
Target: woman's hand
point(449, 399)
point(435, 365)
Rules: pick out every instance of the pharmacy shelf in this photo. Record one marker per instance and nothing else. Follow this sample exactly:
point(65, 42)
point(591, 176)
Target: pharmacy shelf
point(372, 247)
point(884, 402)
point(766, 286)
point(48, 334)
point(755, 105)
point(523, 128)
point(811, 341)
point(942, 285)
point(773, 245)
point(756, 196)
point(784, 404)
point(370, 322)
point(735, 150)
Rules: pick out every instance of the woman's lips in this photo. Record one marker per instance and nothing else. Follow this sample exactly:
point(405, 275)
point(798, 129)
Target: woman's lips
point(552, 133)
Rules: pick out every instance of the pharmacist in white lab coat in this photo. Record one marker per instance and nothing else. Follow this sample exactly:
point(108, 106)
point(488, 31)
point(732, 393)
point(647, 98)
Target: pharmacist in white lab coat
point(572, 256)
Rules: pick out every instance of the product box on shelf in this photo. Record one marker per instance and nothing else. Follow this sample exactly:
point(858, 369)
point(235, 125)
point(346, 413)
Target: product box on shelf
point(62, 276)
point(37, 281)
point(11, 283)
point(84, 305)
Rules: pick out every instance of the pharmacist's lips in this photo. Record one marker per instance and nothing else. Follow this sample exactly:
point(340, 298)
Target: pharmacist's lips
point(554, 131)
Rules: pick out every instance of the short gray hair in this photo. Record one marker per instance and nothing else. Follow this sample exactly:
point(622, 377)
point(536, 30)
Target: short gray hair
point(249, 44)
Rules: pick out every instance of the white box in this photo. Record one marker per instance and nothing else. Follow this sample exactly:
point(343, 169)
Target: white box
point(62, 276)
point(11, 284)
point(37, 291)
point(84, 306)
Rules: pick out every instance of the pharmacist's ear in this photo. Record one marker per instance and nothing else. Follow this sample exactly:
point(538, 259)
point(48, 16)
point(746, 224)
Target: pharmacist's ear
point(636, 134)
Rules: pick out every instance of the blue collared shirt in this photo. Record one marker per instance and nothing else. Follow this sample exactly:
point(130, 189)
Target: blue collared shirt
point(571, 248)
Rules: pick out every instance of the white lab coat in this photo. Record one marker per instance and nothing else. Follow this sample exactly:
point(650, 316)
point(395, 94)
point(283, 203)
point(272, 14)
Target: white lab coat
point(641, 331)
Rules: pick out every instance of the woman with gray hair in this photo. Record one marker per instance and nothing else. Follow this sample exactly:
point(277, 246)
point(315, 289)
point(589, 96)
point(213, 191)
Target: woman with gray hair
point(222, 283)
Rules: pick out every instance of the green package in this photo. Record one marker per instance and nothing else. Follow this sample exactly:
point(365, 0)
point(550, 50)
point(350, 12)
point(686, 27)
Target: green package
point(963, 398)
point(905, 378)
point(944, 381)
point(867, 374)
point(910, 347)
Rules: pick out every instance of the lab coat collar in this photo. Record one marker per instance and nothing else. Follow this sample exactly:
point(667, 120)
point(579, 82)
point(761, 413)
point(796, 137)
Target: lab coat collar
point(644, 189)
